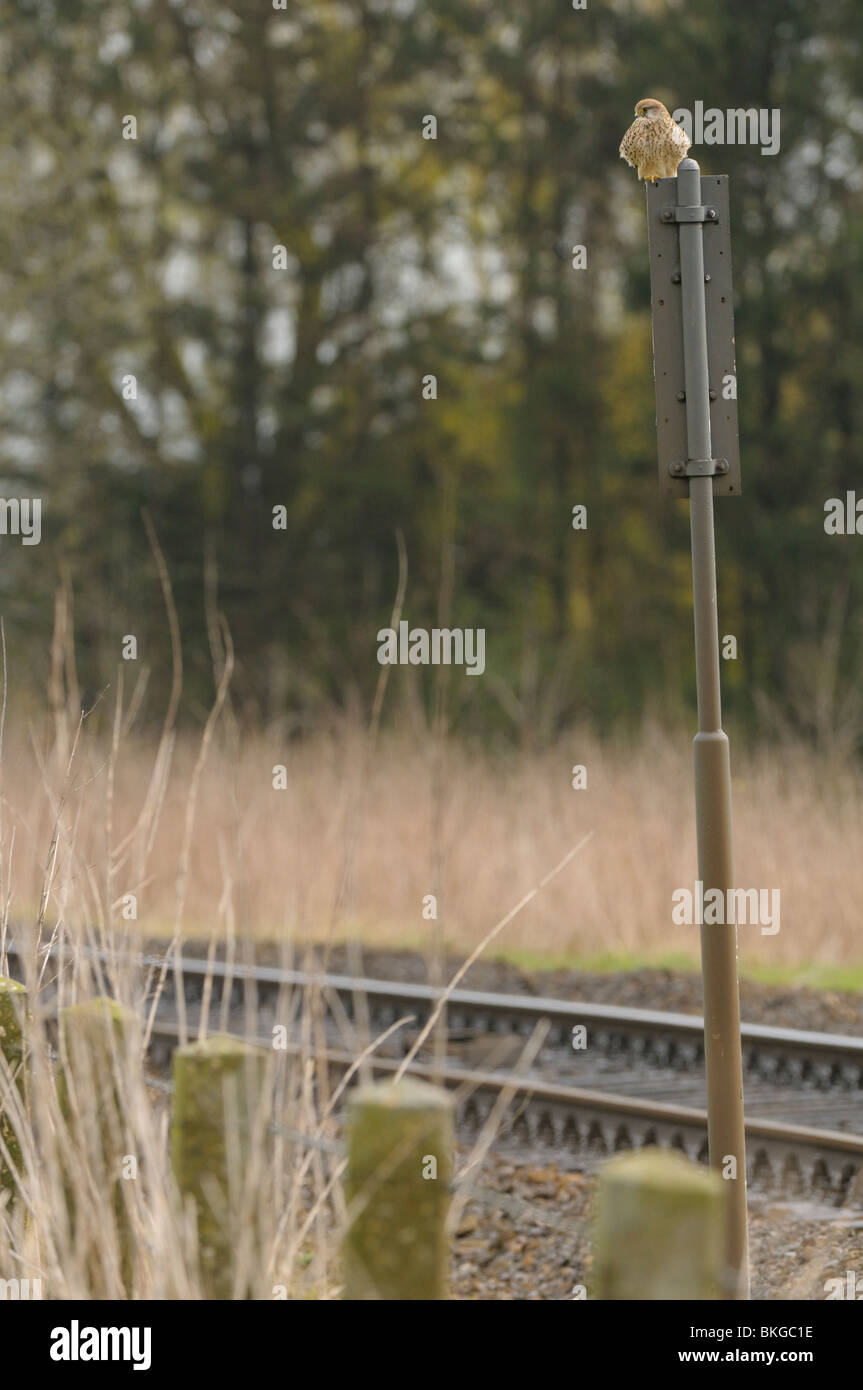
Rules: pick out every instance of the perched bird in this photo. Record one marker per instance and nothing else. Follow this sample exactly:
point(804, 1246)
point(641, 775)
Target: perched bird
point(654, 143)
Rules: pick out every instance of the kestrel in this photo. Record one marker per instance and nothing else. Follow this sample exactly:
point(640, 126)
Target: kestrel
point(654, 143)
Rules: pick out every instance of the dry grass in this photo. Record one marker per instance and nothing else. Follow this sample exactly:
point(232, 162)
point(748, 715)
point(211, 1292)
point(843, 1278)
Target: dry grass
point(366, 827)
point(89, 1205)
point(84, 824)
point(355, 842)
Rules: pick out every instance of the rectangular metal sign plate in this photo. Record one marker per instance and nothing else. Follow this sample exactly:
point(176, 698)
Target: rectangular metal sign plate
point(668, 335)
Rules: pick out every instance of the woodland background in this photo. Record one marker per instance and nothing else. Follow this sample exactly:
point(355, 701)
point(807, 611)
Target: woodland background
point(257, 387)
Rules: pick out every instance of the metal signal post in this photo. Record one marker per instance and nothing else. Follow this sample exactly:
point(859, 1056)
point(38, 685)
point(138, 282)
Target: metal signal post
point(690, 252)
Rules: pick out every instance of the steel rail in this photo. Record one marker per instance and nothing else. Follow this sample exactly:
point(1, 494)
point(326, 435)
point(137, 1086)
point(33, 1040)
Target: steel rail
point(573, 1121)
point(503, 1010)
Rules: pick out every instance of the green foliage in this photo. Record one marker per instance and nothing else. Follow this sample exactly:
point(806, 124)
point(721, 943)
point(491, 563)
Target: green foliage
point(406, 257)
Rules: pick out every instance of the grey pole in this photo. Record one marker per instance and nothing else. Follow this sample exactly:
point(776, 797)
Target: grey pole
point(722, 1046)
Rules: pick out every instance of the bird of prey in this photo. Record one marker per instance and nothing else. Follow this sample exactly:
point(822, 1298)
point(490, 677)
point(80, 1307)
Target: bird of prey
point(654, 143)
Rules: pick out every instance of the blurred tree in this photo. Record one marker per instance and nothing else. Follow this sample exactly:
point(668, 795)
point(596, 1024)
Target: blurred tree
point(299, 377)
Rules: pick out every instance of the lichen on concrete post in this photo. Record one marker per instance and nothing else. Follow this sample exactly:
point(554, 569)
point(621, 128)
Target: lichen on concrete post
point(99, 1039)
point(13, 1012)
point(219, 1091)
point(398, 1185)
point(659, 1231)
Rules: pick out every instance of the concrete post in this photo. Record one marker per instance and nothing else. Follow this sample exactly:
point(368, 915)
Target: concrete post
point(13, 1008)
point(659, 1231)
point(98, 1038)
point(218, 1094)
point(400, 1164)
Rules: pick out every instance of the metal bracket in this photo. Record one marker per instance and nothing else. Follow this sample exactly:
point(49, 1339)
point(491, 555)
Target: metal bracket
point(698, 468)
point(673, 213)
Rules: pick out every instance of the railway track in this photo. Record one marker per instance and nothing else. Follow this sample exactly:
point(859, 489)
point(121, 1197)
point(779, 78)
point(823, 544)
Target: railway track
point(625, 1088)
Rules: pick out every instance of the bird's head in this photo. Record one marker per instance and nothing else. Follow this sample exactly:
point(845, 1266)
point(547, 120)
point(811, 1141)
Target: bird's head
point(651, 109)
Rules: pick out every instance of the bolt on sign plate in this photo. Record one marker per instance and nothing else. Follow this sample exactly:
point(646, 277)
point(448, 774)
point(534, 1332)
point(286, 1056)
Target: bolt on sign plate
point(668, 335)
